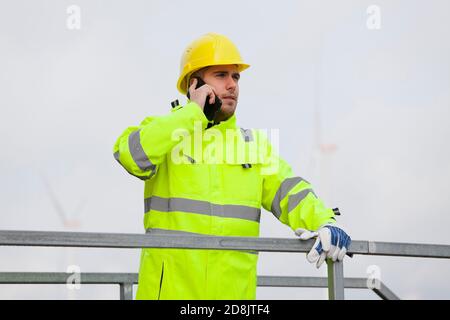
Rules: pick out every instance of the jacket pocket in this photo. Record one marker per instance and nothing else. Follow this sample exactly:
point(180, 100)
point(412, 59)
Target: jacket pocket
point(242, 182)
point(188, 177)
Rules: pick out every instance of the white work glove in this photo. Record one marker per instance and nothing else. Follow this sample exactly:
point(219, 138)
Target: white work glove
point(332, 242)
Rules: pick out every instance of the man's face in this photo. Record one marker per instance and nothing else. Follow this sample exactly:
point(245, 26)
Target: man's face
point(225, 81)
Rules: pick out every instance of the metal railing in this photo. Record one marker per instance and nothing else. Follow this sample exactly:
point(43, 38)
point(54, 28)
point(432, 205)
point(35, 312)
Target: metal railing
point(127, 280)
point(335, 280)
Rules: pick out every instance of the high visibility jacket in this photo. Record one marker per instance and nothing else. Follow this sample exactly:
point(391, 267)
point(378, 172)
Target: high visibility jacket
point(209, 182)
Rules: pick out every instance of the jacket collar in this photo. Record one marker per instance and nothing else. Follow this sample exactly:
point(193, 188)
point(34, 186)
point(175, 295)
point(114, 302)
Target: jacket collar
point(230, 123)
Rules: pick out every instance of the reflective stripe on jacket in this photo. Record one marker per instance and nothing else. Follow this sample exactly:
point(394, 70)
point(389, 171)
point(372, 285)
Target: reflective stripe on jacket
point(210, 182)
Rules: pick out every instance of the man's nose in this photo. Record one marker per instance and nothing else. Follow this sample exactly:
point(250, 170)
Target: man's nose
point(231, 84)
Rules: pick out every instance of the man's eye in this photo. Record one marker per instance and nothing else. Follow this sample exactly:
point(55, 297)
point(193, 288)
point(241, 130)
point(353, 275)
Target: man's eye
point(236, 77)
point(221, 75)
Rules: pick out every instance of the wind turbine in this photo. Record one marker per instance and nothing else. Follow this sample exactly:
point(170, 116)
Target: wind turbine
point(322, 152)
point(68, 223)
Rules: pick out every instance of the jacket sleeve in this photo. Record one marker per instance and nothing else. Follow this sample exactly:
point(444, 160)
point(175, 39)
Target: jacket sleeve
point(140, 149)
point(291, 198)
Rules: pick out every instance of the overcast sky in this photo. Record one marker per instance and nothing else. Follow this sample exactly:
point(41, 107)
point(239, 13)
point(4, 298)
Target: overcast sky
point(382, 96)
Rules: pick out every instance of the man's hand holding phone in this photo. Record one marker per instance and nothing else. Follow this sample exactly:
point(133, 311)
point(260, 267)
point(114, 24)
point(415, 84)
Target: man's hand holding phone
point(199, 95)
point(205, 96)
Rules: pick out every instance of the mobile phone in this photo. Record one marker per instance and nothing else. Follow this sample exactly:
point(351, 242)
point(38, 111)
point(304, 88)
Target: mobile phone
point(209, 109)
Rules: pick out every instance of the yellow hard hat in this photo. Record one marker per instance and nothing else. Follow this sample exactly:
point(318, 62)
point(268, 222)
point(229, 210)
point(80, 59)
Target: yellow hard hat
point(211, 49)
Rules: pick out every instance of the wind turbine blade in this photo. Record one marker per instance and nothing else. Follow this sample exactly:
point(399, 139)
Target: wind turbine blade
point(54, 200)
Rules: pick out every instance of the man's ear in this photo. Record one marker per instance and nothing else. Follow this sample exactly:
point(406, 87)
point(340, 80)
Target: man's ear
point(189, 84)
point(199, 79)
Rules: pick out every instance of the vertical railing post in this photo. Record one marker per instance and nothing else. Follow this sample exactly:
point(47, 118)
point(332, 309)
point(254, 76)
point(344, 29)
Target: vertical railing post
point(335, 280)
point(126, 291)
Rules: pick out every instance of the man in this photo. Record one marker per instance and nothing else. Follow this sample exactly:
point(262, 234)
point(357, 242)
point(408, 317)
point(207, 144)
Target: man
point(210, 177)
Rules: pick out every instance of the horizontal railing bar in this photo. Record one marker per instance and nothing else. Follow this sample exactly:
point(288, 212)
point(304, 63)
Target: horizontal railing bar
point(132, 278)
point(120, 240)
point(62, 278)
point(118, 278)
point(408, 249)
point(320, 282)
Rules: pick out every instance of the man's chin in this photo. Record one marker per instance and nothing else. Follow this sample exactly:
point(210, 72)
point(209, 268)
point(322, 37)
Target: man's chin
point(225, 112)
point(228, 107)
